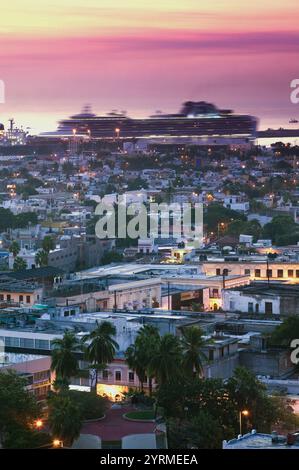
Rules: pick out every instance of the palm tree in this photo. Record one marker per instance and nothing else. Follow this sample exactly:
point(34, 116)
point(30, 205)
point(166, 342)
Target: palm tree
point(65, 419)
point(41, 258)
point(166, 362)
point(136, 362)
point(100, 346)
point(48, 244)
point(14, 248)
point(193, 357)
point(147, 342)
point(19, 264)
point(64, 360)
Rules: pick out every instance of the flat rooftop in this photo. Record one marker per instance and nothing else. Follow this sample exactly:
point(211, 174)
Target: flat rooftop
point(257, 441)
point(265, 289)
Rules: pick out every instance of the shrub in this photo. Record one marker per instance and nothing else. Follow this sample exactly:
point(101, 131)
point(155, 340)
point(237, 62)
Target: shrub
point(92, 406)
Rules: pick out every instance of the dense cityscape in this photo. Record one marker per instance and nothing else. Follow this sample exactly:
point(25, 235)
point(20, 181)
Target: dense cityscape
point(149, 280)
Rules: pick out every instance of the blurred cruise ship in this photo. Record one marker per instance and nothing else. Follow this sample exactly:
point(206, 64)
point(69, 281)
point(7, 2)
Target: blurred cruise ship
point(198, 123)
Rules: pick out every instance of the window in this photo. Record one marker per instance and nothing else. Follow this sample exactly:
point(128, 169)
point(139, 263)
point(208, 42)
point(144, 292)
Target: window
point(10, 341)
point(247, 272)
point(231, 305)
point(21, 298)
point(118, 375)
point(28, 299)
point(250, 307)
point(105, 374)
point(26, 343)
point(257, 273)
point(8, 297)
point(257, 308)
point(290, 273)
point(211, 355)
point(279, 272)
point(225, 272)
point(268, 308)
point(131, 376)
point(215, 293)
point(1, 297)
point(269, 272)
point(42, 344)
point(297, 272)
point(218, 272)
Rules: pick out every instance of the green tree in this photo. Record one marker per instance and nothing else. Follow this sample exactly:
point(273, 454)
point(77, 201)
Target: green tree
point(166, 362)
point(42, 258)
point(192, 344)
point(100, 347)
point(64, 359)
point(17, 412)
point(248, 393)
point(147, 343)
point(14, 248)
point(7, 219)
point(111, 257)
point(19, 264)
point(48, 244)
point(135, 360)
point(201, 431)
point(285, 332)
point(282, 230)
point(65, 418)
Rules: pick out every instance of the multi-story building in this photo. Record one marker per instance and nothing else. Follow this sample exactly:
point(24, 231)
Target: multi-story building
point(256, 269)
point(263, 298)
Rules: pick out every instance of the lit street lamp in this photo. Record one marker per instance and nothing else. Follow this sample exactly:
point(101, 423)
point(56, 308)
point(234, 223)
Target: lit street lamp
point(242, 413)
point(57, 443)
point(38, 423)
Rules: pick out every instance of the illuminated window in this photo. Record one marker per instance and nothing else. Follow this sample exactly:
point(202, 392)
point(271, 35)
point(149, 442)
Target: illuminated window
point(280, 273)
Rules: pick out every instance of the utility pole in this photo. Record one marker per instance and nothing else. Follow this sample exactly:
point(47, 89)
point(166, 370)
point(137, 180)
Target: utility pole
point(268, 271)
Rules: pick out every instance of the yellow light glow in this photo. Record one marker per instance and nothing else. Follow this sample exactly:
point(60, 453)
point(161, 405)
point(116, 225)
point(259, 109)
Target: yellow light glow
point(38, 423)
point(56, 443)
point(245, 412)
point(113, 392)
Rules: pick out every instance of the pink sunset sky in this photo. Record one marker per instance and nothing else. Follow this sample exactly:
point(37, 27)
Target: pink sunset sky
point(141, 56)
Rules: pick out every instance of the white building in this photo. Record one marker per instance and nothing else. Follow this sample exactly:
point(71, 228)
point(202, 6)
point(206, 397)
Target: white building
point(236, 203)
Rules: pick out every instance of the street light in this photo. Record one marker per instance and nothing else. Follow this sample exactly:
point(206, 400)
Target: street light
point(242, 413)
point(38, 423)
point(57, 443)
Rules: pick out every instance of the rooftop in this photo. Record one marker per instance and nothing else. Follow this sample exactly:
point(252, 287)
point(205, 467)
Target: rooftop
point(256, 440)
point(265, 289)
